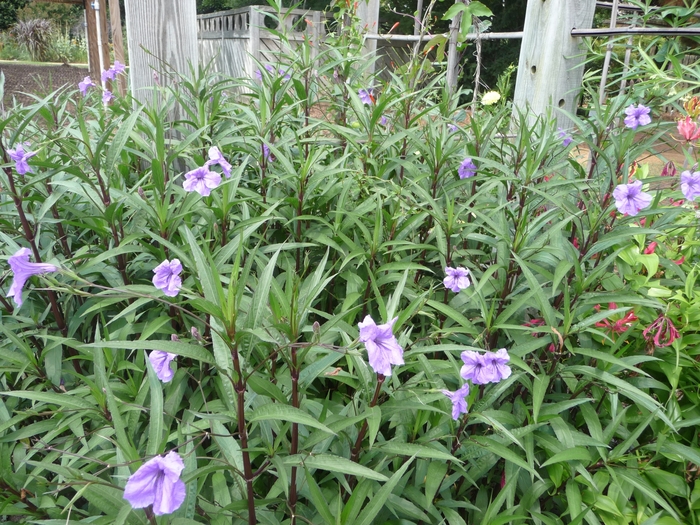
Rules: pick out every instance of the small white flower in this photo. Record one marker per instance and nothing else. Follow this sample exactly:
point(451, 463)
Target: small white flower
point(490, 98)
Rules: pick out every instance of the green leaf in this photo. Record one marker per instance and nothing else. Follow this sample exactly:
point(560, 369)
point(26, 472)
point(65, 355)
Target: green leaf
point(186, 350)
point(318, 500)
point(332, 463)
point(413, 449)
point(571, 454)
point(382, 495)
point(279, 412)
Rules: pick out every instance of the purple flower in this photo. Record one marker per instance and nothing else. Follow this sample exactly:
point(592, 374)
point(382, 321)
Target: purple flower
point(690, 184)
point(86, 84)
point(108, 74)
point(285, 75)
point(266, 152)
point(498, 364)
point(118, 67)
point(107, 96)
point(167, 277)
point(201, 180)
point(157, 482)
point(366, 96)
point(383, 121)
point(629, 198)
point(457, 279)
point(23, 270)
point(383, 349)
point(20, 157)
point(215, 157)
point(452, 128)
point(564, 136)
point(467, 168)
point(270, 69)
point(161, 363)
point(476, 369)
point(637, 116)
point(459, 401)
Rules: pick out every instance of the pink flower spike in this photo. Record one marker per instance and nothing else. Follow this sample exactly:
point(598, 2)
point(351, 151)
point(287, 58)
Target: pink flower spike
point(23, 270)
point(201, 180)
point(383, 349)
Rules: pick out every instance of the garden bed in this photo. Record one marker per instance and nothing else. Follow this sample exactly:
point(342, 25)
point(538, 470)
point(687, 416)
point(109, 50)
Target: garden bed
point(39, 79)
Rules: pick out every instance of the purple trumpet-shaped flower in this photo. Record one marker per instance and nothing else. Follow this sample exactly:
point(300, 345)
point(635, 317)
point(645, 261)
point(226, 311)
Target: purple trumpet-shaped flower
point(215, 157)
point(457, 279)
point(467, 168)
point(161, 364)
point(86, 84)
point(20, 157)
point(690, 184)
point(167, 277)
point(564, 136)
point(118, 67)
point(459, 400)
point(270, 69)
point(637, 116)
point(481, 369)
point(107, 96)
point(383, 349)
point(452, 128)
point(157, 482)
point(366, 96)
point(23, 270)
point(629, 198)
point(267, 155)
point(202, 180)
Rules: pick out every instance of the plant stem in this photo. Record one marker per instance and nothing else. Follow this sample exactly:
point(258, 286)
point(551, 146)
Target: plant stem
point(240, 386)
point(358, 443)
point(295, 436)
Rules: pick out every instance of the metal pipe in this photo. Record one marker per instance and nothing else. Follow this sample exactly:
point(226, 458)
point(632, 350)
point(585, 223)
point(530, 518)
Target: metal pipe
point(514, 35)
point(657, 31)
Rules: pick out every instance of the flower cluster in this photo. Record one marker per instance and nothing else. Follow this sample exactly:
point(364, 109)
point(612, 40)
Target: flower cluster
point(271, 69)
point(490, 98)
point(619, 326)
point(662, 332)
point(113, 71)
point(482, 369)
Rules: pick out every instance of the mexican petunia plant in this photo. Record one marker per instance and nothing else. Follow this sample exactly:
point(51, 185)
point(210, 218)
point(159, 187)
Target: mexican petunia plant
point(322, 295)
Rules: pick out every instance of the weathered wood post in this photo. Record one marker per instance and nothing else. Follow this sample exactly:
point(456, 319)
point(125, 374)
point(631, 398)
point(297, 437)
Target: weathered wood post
point(115, 20)
point(368, 13)
point(93, 17)
point(162, 37)
point(550, 69)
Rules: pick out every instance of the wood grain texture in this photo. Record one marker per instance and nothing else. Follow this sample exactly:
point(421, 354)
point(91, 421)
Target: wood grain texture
point(550, 68)
point(91, 18)
point(115, 20)
point(162, 37)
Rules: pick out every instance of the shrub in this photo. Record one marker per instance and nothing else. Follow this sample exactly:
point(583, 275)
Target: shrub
point(217, 294)
point(35, 36)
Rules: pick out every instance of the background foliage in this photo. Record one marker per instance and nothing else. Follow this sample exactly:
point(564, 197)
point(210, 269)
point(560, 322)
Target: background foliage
point(273, 400)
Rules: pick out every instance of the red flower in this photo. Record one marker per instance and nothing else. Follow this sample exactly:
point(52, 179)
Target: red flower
point(680, 261)
point(619, 326)
point(669, 169)
point(650, 249)
point(664, 332)
point(534, 323)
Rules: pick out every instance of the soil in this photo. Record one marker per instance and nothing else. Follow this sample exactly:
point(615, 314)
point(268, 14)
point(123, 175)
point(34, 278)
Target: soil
point(38, 79)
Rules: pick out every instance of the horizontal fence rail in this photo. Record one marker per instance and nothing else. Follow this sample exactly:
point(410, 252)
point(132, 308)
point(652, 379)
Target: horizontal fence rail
point(513, 35)
point(656, 31)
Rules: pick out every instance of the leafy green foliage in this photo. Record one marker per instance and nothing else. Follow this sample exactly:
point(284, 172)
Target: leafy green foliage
point(273, 406)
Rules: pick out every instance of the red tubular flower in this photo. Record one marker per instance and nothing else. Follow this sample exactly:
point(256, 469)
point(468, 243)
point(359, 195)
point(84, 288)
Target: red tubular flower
point(650, 249)
point(661, 331)
point(534, 323)
point(669, 169)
